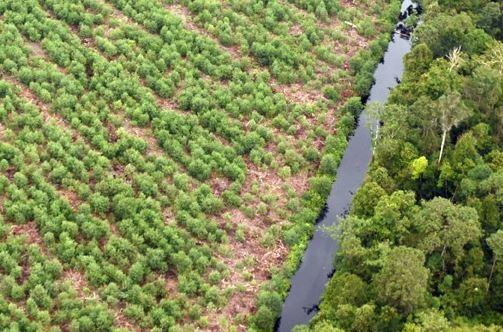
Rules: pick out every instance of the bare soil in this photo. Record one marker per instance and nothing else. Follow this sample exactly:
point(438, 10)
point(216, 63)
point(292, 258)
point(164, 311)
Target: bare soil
point(297, 93)
point(71, 197)
point(263, 257)
point(30, 231)
point(87, 293)
point(189, 22)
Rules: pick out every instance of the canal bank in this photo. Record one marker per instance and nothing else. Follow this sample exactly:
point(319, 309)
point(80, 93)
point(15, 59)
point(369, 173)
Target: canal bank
point(316, 268)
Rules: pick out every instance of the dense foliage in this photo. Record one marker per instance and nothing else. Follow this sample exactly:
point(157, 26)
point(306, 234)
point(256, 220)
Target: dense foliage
point(421, 249)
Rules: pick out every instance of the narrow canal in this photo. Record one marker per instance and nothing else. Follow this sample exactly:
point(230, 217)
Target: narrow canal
point(317, 265)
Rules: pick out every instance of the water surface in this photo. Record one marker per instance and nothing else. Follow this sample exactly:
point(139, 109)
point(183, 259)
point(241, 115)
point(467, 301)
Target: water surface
point(316, 268)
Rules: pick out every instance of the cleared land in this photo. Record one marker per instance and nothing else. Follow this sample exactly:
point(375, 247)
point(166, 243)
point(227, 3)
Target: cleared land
point(152, 152)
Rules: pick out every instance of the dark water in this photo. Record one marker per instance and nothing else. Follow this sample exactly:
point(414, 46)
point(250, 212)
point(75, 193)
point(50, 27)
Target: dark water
point(317, 265)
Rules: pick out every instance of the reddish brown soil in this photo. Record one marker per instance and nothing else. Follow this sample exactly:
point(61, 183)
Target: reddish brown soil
point(71, 197)
point(146, 134)
point(28, 95)
point(269, 181)
point(79, 283)
point(296, 30)
point(122, 321)
point(219, 185)
point(85, 292)
point(297, 93)
point(190, 23)
point(77, 279)
point(264, 258)
point(36, 49)
point(30, 231)
point(171, 282)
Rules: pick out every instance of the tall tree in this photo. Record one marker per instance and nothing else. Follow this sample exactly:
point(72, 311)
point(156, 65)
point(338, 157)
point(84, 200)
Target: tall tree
point(452, 112)
point(375, 111)
point(495, 242)
point(402, 281)
point(441, 226)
